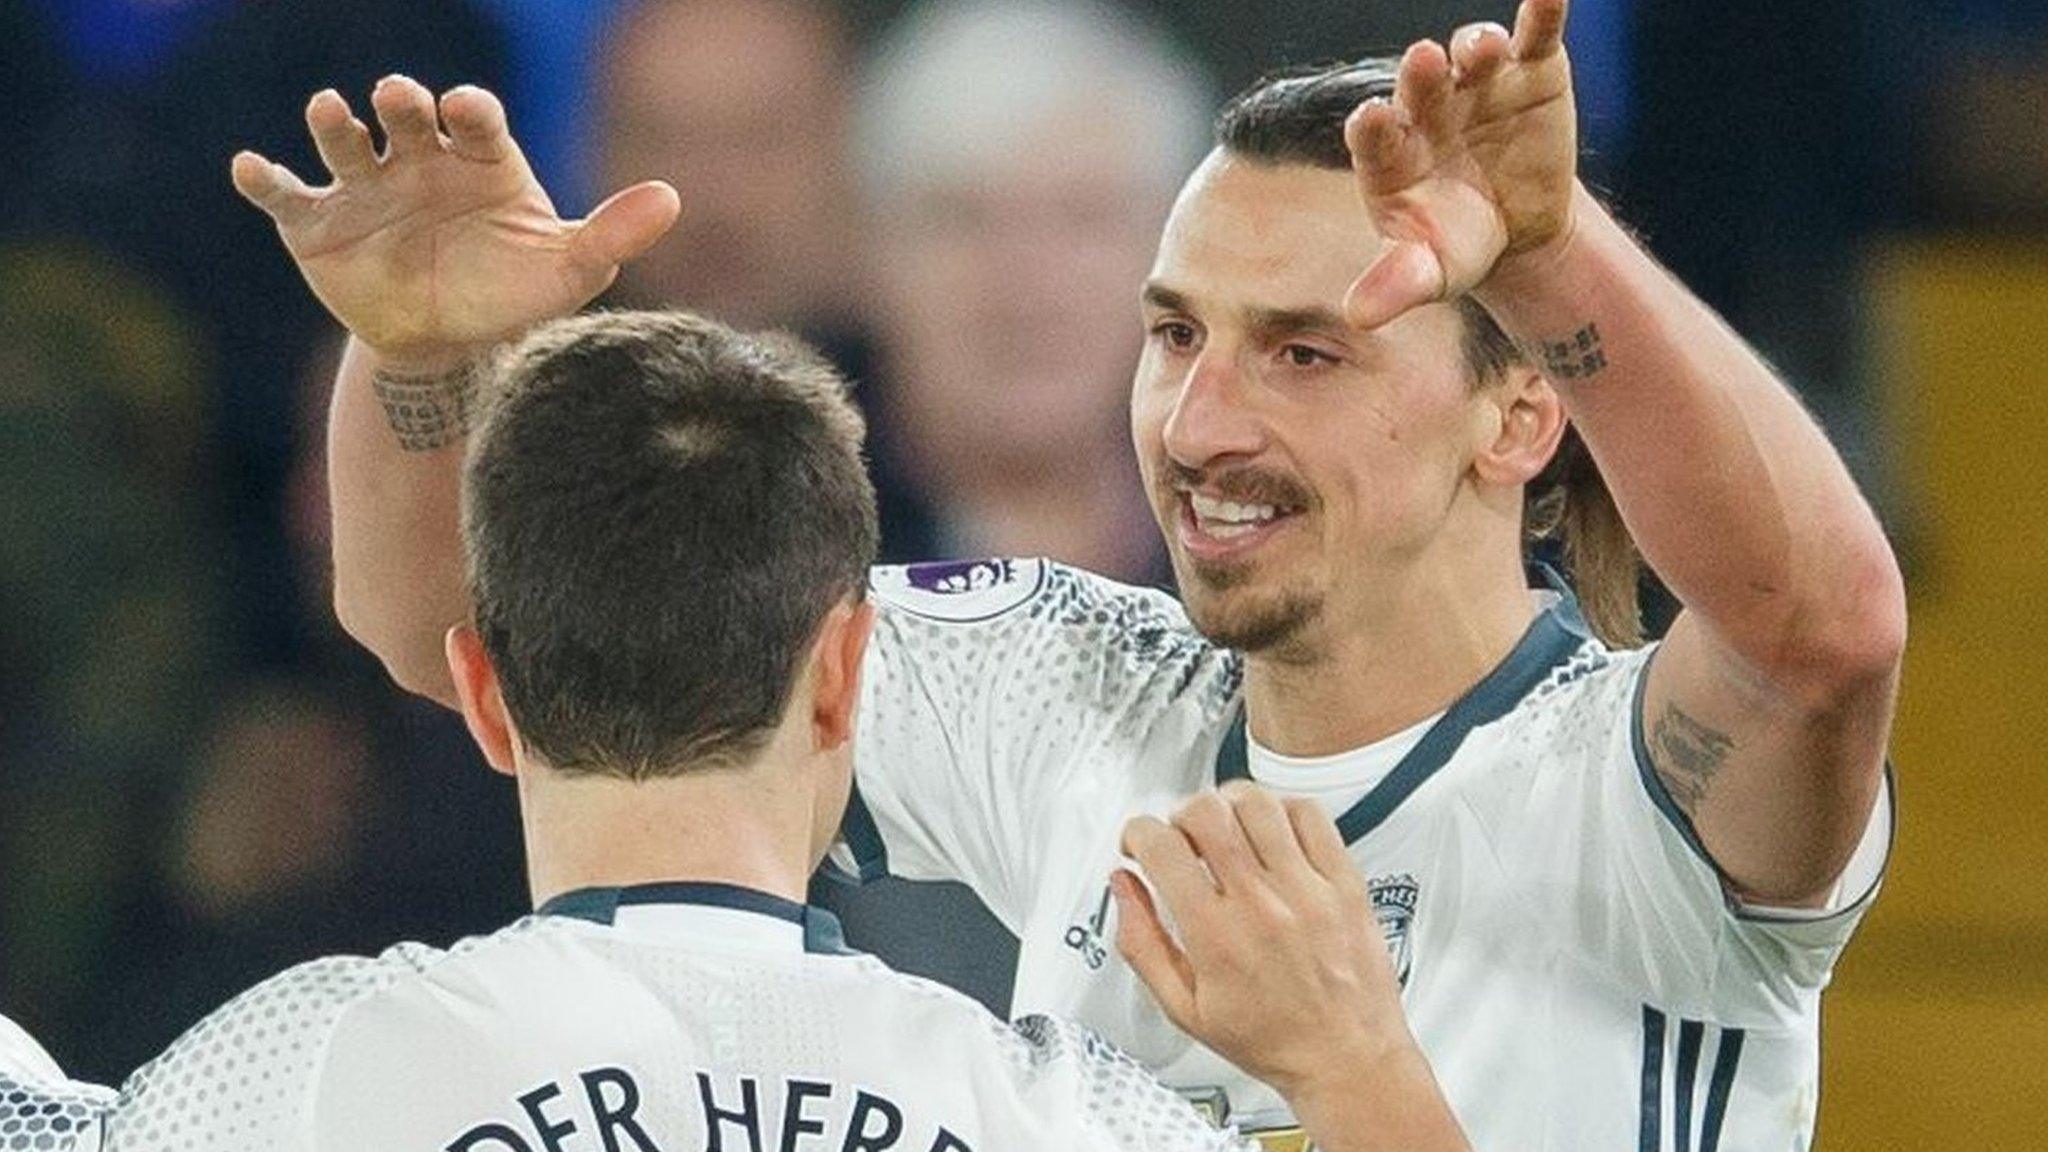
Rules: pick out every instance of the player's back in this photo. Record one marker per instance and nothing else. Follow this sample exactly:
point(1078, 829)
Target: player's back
point(629, 1020)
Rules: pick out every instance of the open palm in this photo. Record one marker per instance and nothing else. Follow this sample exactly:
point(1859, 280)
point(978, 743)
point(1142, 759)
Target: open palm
point(1472, 161)
point(446, 240)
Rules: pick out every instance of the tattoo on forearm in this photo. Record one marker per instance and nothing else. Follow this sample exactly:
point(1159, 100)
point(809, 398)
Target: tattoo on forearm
point(428, 412)
point(1687, 755)
point(1576, 357)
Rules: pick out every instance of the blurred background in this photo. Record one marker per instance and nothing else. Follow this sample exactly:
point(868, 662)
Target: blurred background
point(202, 781)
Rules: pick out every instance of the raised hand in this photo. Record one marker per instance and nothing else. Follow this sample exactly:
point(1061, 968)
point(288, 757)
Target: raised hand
point(445, 242)
point(1280, 965)
point(1471, 163)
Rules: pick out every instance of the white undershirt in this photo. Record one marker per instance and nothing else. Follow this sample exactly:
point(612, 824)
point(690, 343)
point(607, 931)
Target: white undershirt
point(1337, 781)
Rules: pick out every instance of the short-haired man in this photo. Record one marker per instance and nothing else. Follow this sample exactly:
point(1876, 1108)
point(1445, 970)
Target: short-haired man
point(668, 528)
point(1616, 885)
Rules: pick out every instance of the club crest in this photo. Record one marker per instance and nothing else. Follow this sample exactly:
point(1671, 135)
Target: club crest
point(1393, 905)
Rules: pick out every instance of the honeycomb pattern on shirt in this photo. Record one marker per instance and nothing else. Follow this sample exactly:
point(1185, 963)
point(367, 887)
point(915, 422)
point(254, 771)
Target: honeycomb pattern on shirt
point(238, 1080)
point(46, 1118)
point(1139, 1113)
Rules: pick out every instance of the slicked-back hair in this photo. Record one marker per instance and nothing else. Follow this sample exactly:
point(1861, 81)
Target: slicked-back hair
point(1298, 117)
point(657, 514)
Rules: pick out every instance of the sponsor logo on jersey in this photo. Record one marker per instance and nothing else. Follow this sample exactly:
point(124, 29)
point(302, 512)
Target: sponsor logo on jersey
point(1393, 905)
point(1086, 937)
point(960, 591)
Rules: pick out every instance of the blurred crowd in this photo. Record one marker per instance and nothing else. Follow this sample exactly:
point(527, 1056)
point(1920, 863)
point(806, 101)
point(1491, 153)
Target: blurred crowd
point(202, 781)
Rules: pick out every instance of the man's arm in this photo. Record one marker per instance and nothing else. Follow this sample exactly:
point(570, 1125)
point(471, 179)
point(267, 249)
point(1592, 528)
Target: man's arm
point(394, 462)
point(430, 253)
point(1770, 705)
point(1280, 967)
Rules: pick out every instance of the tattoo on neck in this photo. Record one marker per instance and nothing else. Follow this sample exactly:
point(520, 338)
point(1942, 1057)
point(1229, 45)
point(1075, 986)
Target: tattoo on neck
point(1579, 356)
point(1687, 755)
point(428, 412)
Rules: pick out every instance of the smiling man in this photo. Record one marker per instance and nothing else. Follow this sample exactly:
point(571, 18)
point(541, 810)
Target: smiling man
point(1387, 337)
point(669, 526)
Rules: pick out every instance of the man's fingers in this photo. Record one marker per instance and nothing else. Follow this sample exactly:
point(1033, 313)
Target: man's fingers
point(476, 124)
point(1211, 826)
point(1144, 942)
point(626, 225)
point(405, 110)
point(1320, 842)
point(1170, 862)
point(1406, 276)
point(1477, 52)
point(1382, 153)
point(271, 187)
point(1266, 827)
point(342, 140)
point(1423, 86)
point(1539, 29)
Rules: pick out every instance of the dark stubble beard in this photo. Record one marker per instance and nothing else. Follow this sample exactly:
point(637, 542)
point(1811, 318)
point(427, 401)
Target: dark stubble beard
point(1221, 600)
point(1225, 608)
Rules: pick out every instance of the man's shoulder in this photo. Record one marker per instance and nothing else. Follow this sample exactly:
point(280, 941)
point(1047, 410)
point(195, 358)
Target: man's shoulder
point(284, 1026)
point(1034, 589)
point(1582, 695)
point(1568, 733)
point(1045, 623)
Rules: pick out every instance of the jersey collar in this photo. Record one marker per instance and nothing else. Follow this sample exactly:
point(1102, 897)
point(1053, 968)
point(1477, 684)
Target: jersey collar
point(817, 929)
point(1549, 642)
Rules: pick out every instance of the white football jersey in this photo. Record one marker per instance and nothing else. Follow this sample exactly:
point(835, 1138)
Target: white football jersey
point(1570, 959)
point(41, 1110)
point(659, 1018)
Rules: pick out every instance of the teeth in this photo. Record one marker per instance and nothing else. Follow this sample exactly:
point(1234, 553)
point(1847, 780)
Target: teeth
point(1209, 508)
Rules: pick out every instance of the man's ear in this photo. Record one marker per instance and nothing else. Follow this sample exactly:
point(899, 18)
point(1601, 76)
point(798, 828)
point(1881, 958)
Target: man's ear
point(835, 672)
point(1531, 423)
point(483, 705)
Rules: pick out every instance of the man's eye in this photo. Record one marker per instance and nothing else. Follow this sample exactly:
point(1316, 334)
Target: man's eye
point(1177, 335)
point(1303, 356)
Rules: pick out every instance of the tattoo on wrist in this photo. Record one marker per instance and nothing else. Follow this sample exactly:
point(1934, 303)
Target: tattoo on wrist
point(428, 412)
point(1576, 357)
point(1687, 755)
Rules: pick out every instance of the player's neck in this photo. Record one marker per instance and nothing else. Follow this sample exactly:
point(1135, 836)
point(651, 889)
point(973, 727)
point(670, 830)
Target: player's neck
point(1398, 651)
point(752, 828)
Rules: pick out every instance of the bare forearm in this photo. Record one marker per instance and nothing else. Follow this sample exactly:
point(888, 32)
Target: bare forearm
point(1733, 493)
point(395, 441)
point(1388, 1104)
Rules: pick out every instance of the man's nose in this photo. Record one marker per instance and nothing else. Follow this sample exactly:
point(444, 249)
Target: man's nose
point(1212, 417)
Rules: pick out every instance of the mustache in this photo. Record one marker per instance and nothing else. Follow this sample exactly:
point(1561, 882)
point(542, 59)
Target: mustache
point(1240, 485)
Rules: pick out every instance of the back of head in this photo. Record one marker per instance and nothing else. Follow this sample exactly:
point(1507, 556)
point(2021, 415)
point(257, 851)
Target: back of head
point(658, 512)
point(1298, 118)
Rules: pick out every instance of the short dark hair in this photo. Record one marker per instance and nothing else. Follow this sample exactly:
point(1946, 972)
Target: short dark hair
point(658, 512)
point(1298, 117)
